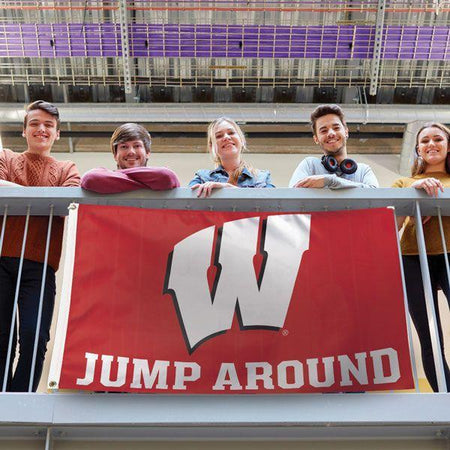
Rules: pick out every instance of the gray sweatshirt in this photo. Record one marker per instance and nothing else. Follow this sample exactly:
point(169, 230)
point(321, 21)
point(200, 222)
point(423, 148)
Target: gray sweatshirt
point(363, 177)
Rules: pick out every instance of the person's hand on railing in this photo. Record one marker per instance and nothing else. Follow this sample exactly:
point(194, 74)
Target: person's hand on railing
point(432, 186)
point(204, 190)
point(313, 181)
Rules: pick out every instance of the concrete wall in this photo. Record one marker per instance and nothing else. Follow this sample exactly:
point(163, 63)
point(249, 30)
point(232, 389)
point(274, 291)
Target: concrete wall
point(281, 166)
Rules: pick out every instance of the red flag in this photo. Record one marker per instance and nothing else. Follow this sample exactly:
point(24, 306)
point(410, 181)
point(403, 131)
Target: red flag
point(218, 302)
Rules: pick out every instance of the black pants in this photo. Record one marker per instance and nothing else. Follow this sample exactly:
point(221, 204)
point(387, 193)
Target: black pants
point(418, 311)
point(28, 305)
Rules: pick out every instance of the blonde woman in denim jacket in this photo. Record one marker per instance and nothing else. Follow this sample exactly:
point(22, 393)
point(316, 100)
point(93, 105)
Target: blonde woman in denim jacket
point(226, 141)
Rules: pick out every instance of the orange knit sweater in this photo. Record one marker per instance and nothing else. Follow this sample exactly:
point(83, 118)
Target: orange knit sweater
point(29, 169)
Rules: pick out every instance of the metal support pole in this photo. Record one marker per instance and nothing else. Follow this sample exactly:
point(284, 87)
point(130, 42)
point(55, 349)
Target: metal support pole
point(437, 6)
point(26, 93)
point(409, 142)
point(16, 299)
point(366, 106)
point(69, 126)
point(429, 302)
point(376, 58)
point(125, 45)
point(2, 235)
point(444, 247)
point(41, 301)
point(444, 244)
point(408, 320)
point(49, 439)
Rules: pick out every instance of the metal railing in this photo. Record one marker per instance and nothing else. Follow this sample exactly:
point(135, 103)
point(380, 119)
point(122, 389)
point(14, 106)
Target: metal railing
point(58, 412)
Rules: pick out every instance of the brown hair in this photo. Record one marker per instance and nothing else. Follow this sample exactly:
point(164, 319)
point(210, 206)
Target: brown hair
point(419, 165)
point(212, 148)
point(130, 132)
point(323, 110)
point(44, 106)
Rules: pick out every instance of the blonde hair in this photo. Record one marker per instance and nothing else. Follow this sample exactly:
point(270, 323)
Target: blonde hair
point(212, 148)
point(419, 165)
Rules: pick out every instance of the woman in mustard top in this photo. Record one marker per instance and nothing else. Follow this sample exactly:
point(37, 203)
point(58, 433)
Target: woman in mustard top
point(431, 172)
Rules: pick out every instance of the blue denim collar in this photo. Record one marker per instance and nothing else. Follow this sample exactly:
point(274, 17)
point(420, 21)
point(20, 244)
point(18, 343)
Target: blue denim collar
point(221, 170)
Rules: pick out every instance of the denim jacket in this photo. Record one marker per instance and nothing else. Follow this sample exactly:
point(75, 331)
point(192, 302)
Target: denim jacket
point(246, 179)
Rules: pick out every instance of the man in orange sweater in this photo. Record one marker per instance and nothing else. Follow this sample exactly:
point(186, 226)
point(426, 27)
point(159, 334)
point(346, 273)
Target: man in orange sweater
point(34, 167)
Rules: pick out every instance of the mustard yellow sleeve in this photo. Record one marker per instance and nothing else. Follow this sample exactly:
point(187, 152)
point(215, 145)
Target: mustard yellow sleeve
point(399, 183)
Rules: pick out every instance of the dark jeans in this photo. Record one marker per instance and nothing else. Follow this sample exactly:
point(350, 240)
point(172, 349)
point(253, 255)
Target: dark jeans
point(28, 305)
point(418, 311)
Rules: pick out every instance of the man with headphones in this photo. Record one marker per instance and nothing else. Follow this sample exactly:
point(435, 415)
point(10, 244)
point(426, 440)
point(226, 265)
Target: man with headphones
point(334, 170)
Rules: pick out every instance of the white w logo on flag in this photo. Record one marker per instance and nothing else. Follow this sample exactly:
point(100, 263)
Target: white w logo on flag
point(261, 302)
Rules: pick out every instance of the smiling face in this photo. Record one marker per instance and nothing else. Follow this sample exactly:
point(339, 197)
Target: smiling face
point(432, 146)
point(226, 142)
point(130, 154)
point(331, 134)
point(41, 131)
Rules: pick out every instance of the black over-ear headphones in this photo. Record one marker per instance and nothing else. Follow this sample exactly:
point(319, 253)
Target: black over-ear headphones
point(347, 166)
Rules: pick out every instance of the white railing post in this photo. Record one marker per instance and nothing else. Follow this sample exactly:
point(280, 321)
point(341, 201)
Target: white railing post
point(16, 299)
point(408, 319)
point(429, 301)
point(41, 300)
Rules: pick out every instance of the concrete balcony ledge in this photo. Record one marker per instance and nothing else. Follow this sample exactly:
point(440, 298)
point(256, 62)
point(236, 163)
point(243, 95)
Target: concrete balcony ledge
point(172, 417)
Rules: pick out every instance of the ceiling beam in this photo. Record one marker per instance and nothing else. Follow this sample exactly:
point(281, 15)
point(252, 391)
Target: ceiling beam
point(244, 113)
point(375, 67)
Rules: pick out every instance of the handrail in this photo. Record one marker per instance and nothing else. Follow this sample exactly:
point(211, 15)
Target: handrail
point(281, 199)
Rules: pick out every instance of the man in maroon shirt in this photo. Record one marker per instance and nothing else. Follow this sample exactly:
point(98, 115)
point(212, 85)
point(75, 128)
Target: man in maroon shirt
point(130, 145)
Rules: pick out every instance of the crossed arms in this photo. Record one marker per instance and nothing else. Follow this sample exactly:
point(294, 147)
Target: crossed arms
point(105, 181)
